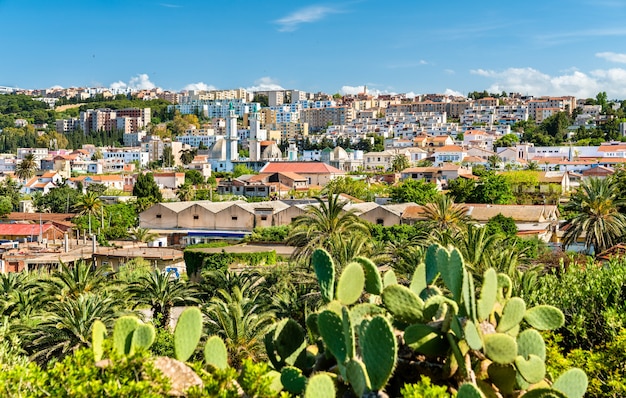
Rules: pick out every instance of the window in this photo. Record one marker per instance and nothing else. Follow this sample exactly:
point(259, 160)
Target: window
point(263, 218)
point(234, 218)
point(158, 216)
point(195, 217)
point(380, 221)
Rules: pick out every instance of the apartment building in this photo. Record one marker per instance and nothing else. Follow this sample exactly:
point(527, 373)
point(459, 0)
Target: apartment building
point(318, 118)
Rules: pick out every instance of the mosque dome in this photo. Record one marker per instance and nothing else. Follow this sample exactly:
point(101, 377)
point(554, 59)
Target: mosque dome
point(218, 150)
point(340, 153)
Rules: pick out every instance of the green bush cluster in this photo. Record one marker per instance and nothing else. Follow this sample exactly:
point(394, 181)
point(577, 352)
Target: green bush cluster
point(277, 234)
point(197, 260)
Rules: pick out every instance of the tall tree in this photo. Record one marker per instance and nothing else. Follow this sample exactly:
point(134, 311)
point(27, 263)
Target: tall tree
point(25, 170)
point(146, 187)
point(444, 215)
point(595, 215)
point(399, 163)
point(417, 191)
point(89, 204)
point(323, 224)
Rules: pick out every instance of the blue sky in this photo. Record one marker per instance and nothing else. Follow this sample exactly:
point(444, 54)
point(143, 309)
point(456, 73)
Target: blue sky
point(573, 47)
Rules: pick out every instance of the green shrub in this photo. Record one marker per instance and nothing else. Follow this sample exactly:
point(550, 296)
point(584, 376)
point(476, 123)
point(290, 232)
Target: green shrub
point(592, 297)
point(424, 389)
point(197, 260)
point(276, 234)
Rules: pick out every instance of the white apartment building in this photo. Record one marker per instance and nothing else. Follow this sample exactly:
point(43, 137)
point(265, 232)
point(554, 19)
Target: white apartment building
point(121, 156)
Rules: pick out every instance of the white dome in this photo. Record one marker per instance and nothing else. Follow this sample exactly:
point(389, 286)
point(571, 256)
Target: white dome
point(272, 152)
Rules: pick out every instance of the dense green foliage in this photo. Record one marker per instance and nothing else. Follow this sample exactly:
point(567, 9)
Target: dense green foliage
point(416, 191)
point(198, 260)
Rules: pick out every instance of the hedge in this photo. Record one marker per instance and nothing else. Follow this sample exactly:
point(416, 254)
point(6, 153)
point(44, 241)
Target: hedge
point(197, 260)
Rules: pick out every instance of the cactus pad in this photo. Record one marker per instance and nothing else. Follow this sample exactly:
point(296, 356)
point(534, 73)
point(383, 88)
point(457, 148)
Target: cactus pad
point(98, 334)
point(187, 333)
point(469, 391)
point(503, 376)
point(418, 281)
point(431, 263)
point(403, 303)
point(545, 317)
point(529, 342)
point(289, 340)
point(379, 350)
point(572, 383)
point(471, 336)
point(533, 370)
point(143, 337)
point(389, 278)
point(320, 386)
point(500, 348)
point(425, 340)
point(215, 352)
point(512, 314)
point(350, 285)
point(325, 271)
point(451, 268)
point(544, 393)
point(373, 281)
point(123, 333)
point(330, 326)
point(488, 294)
point(292, 379)
point(357, 376)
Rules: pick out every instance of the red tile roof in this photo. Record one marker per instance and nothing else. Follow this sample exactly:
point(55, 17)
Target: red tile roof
point(23, 229)
point(300, 168)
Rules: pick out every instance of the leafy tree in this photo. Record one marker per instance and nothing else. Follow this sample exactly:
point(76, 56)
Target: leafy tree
point(494, 161)
point(9, 188)
point(167, 160)
point(595, 215)
point(507, 140)
point(193, 177)
point(461, 189)
point(241, 169)
point(349, 186)
point(417, 191)
point(494, 189)
point(187, 155)
point(5, 206)
point(98, 189)
point(147, 188)
point(501, 225)
point(62, 199)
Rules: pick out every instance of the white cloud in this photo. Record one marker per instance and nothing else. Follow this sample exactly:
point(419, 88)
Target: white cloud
point(139, 82)
point(304, 15)
point(449, 71)
point(533, 82)
point(454, 93)
point(167, 5)
point(351, 90)
point(201, 86)
point(57, 87)
point(612, 57)
point(423, 62)
point(410, 94)
point(265, 84)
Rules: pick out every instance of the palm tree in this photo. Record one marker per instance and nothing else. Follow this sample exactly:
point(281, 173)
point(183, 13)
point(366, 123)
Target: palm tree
point(69, 282)
point(66, 326)
point(494, 161)
point(399, 163)
point(143, 235)
point(477, 246)
point(445, 215)
point(161, 293)
point(324, 223)
point(185, 193)
point(88, 204)
point(26, 168)
point(241, 320)
point(595, 215)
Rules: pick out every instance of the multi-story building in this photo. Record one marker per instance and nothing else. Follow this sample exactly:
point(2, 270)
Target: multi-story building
point(318, 118)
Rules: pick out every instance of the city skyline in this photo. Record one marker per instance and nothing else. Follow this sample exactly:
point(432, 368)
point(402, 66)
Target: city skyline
point(559, 48)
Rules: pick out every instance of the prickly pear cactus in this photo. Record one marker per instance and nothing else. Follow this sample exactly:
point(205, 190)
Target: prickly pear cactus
point(143, 337)
point(215, 353)
point(98, 334)
point(187, 333)
point(325, 270)
point(123, 334)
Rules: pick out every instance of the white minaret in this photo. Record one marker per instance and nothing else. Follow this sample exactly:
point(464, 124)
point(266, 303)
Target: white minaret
point(256, 135)
point(232, 137)
point(292, 152)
